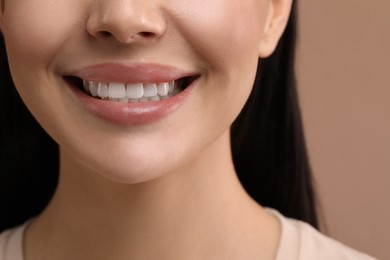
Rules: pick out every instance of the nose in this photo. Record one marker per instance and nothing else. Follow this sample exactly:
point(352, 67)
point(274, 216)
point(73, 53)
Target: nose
point(127, 21)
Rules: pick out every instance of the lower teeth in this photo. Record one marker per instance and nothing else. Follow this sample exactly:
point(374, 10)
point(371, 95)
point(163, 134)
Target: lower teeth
point(135, 100)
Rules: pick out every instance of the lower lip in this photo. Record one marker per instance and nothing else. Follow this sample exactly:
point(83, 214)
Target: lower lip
point(137, 113)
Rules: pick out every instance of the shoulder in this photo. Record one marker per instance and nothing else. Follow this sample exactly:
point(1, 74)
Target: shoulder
point(11, 245)
point(301, 241)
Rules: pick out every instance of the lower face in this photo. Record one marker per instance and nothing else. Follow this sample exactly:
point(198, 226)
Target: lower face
point(48, 44)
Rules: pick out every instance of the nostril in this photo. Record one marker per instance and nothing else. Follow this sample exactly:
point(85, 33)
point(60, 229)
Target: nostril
point(105, 34)
point(146, 34)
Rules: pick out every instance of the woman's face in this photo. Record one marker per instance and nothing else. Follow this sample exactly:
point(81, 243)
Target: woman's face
point(131, 49)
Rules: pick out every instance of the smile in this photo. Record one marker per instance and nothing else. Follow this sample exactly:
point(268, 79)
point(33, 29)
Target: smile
point(135, 92)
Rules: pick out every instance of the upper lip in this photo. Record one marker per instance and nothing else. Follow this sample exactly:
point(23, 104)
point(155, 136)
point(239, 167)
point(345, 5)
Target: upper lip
point(131, 73)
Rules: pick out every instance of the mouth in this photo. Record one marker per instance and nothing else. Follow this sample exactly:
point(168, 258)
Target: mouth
point(131, 92)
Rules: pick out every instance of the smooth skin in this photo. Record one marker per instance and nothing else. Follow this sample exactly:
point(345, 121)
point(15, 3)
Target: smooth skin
point(162, 190)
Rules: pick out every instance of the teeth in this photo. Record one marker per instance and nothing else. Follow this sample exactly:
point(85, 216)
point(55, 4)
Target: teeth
point(143, 99)
point(93, 88)
point(129, 93)
point(135, 90)
point(155, 98)
point(117, 90)
point(86, 88)
point(171, 88)
point(102, 90)
point(150, 90)
point(163, 89)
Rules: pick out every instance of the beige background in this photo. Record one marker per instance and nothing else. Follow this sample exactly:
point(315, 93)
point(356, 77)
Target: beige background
point(344, 84)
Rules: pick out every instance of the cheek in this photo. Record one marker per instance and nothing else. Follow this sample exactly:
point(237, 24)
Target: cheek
point(226, 35)
point(223, 31)
point(34, 32)
point(35, 29)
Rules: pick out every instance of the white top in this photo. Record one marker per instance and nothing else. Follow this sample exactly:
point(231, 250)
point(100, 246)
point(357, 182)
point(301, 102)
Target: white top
point(299, 241)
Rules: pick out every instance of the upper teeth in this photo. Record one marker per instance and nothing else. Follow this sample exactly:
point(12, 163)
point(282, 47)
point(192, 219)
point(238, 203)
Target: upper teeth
point(132, 92)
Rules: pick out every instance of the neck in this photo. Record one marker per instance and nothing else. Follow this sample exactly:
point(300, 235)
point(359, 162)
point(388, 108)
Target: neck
point(199, 211)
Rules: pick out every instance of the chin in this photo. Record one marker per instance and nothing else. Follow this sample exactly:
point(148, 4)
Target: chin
point(131, 176)
point(125, 171)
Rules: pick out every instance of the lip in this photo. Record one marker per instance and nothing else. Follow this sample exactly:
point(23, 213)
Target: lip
point(132, 73)
point(131, 113)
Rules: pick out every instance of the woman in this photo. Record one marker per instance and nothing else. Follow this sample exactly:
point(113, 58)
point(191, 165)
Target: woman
point(141, 97)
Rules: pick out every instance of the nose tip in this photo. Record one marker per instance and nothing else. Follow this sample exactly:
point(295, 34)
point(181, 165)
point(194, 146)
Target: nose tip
point(125, 22)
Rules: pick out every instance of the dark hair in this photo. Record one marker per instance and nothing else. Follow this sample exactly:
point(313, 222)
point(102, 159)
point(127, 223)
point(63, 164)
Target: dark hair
point(28, 156)
point(268, 143)
point(268, 146)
